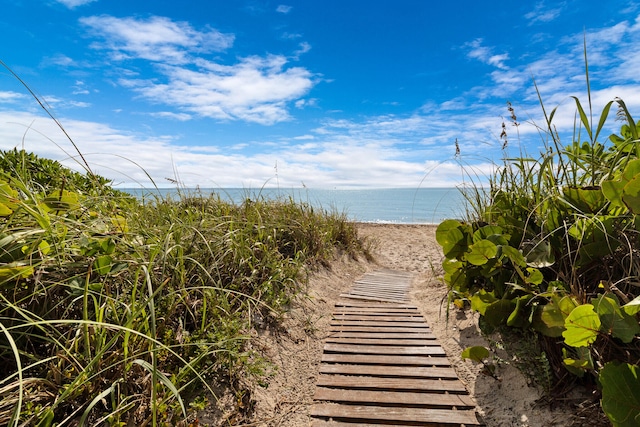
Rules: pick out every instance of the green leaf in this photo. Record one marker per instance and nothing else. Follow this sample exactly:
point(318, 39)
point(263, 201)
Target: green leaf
point(614, 189)
point(581, 326)
point(585, 199)
point(481, 300)
point(621, 393)
point(632, 307)
point(534, 277)
point(581, 363)
point(514, 255)
point(486, 232)
point(450, 236)
point(520, 317)
point(62, 200)
point(549, 320)
point(102, 264)
point(631, 195)
point(481, 252)
point(614, 320)
point(498, 312)
point(476, 353)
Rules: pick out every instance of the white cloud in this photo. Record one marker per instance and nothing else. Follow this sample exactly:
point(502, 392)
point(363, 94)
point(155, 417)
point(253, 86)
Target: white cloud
point(542, 12)
point(9, 96)
point(72, 4)
point(182, 117)
point(283, 9)
point(485, 54)
point(256, 89)
point(156, 38)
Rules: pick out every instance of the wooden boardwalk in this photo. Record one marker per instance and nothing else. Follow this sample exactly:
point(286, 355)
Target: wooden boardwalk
point(381, 364)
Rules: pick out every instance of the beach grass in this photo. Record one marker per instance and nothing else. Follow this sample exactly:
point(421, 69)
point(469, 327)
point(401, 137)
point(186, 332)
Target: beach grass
point(114, 310)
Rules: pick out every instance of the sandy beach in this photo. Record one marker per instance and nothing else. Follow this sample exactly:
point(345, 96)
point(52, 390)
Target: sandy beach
point(506, 400)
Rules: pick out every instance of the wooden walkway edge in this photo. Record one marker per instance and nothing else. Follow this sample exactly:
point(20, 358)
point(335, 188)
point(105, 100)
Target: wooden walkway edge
point(382, 366)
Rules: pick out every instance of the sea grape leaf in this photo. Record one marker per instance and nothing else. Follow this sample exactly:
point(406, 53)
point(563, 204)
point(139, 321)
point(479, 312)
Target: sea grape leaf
point(538, 253)
point(499, 311)
point(481, 300)
point(631, 195)
point(62, 200)
point(13, 272)
point(549, 320)
point(621, 393)
point(632, 307)
point(481, 252)
point(520, 317)
point(476, 353)
point(614, 320)
point(451, 238)
point(514, 255)
point(581, 326)
point(614, 189)
point(486, 231)
point(534, 276)
point(581, 363)
point(585, 199)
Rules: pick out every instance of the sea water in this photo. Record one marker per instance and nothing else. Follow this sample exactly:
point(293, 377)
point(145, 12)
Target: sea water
point(399, 205)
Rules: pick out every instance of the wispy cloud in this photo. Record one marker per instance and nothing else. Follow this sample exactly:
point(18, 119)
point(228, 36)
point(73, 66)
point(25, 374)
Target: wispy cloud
point(255, 89)
point(72, 4)
point(485, 54)
point(543, 12)
point(283, 9)
point(156, 38)
point(9, 96)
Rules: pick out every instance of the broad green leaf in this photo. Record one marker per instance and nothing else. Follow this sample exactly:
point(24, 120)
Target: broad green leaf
point(476, 353)
point(632, 307)
point(514, 255)
point(62, 200)
point(13, 272)
point(443, 229)
point(614, 189)
point(549, 320)
point(585, 199)
point(102, 264)
point(486, 231)
point(581, 363)
point(581, 326)
point(631, 195)
point(521, 316)
point(538, 253)
point(498, 312)
point(5, 210)
point(481, 300)
point(534, 277)
point(455, 243)
point(615, 321)
point(621, 393)
point(481, 252)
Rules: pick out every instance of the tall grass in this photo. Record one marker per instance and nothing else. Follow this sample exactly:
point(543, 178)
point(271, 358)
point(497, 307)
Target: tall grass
point(112, 310)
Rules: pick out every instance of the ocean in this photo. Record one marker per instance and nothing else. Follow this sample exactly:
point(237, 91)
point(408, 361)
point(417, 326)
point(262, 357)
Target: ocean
point(398, 206)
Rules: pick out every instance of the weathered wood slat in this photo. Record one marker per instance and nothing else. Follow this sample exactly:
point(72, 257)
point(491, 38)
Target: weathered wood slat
point(421, 415)
point(379, 318)
point(364, 328)
point(432, 400)
point(417, 325)
point(382, 349)
point(374, 311)
point(369, 382)
point(371, 298)
point(384, 341)
point(389, 371)
point(375, 359)
point(385, 335)
point(374, 304)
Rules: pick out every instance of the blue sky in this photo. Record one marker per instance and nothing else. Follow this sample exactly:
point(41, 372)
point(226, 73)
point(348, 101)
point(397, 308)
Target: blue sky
point(322, 94)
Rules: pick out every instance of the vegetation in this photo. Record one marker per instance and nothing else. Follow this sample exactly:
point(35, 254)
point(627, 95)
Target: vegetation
point(113, 311)
point(551, 251)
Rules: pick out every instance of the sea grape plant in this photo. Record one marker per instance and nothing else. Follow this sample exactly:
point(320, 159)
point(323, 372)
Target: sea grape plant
point(554, 250)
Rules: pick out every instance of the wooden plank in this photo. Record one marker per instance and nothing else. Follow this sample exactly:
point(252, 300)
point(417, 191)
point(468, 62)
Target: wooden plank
point(385, 335)
point(416, 415)
point(431, 400)
point(378, 310)
point(390, 371)
point(381, 318)
point(369, 382)
point(375, 359)
point(373, 329)
point(382, 349)
point(345, 303)
point(372, 298)
point(417, 325)
point(383, 341)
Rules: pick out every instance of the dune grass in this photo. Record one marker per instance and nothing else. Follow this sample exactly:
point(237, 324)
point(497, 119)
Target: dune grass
point(112, 310)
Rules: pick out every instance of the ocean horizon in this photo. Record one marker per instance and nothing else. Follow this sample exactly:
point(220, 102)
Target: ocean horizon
point(396, 206)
